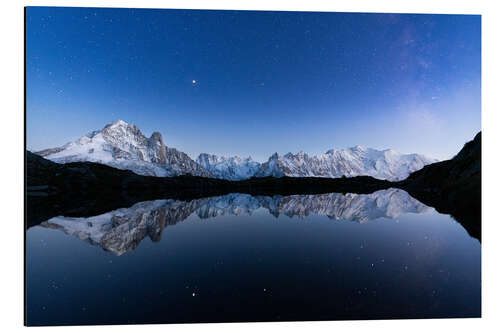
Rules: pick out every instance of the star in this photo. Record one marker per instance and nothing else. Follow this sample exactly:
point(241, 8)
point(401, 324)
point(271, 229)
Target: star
point(194, 81)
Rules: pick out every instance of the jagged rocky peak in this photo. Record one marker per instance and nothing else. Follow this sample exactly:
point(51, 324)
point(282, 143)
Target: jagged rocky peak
point(119, 124)
point(272, 168)
point(121, 128)
point(157, 148)
point(156, 138)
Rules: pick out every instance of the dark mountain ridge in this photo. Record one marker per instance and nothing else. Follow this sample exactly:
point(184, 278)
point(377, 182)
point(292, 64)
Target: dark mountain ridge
point(453, 186)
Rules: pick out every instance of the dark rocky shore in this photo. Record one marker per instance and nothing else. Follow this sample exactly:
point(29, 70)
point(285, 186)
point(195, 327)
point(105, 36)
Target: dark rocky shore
point(452, 187)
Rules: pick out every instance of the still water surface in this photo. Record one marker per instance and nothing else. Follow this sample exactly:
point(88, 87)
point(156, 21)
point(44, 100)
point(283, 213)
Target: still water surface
point(243, 258)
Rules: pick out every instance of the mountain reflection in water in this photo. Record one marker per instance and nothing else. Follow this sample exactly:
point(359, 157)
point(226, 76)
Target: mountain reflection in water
point(122, 230)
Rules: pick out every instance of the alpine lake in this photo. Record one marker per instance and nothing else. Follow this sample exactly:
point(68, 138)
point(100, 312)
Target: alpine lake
point(239, 258)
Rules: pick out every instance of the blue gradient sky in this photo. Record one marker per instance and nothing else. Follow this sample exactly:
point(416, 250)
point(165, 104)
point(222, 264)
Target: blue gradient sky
point(265, 81)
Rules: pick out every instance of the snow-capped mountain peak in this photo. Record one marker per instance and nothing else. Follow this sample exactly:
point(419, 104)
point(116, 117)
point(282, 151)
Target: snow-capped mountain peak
point(123, 146)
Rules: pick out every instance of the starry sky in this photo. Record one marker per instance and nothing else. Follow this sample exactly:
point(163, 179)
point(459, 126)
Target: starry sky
point(255, 82)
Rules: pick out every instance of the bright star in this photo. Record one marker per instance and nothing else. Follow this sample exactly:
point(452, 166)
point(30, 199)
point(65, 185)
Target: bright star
point(194, 81)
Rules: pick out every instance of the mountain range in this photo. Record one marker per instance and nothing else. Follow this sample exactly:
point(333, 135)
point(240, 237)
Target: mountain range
point(123, 146)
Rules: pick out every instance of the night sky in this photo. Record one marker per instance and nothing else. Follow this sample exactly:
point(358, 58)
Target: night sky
point(252, 83)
